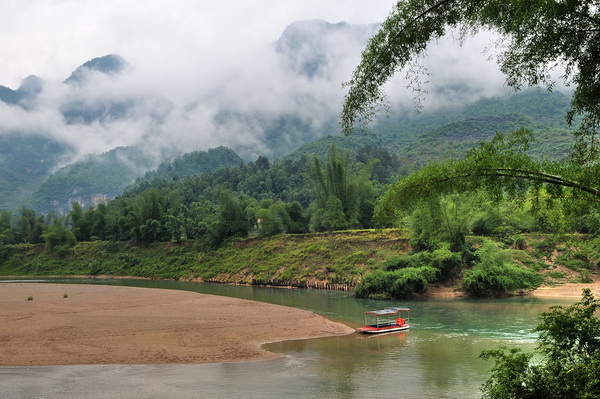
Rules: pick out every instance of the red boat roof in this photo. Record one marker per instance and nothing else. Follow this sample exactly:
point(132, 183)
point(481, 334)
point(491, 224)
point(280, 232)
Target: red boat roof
point(387, 311)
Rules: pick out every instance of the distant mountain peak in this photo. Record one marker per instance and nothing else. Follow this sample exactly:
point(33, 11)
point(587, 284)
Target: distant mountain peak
point(31, 85)
point(310, 45)
point(111, 64)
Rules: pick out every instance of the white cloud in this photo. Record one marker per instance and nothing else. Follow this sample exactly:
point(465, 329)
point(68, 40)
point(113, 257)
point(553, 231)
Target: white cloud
point(217, 56)
point(49, 38)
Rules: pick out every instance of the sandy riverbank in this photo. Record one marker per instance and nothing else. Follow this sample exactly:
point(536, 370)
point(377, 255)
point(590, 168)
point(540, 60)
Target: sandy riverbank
point(567, 290)
point(92, 324)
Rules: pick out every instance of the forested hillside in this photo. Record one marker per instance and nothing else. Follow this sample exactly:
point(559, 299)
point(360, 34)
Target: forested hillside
point(412, 141)
point(98, 178)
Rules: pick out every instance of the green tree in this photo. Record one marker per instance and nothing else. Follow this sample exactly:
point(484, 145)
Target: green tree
point(438, 220)
point(534, 37)
point(78, 223)
point(7, 234)
point(232, 220)
point(269, 222)
point(295, 222)
point(262, 163)
point(340, 196)
point(30, 226)
point(202, 215)
point(500, 167)
point(58, 237)
point(96, 219)
point(567, 364)
point(334, 217)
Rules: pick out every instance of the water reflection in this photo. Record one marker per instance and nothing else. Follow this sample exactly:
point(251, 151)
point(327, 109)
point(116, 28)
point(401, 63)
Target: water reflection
point(436, 358)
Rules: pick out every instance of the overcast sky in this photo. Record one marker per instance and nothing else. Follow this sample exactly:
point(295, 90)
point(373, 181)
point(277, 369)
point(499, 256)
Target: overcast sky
point(215, 55)
point(50, 38)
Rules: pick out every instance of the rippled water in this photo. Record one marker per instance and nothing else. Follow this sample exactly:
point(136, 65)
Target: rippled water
point(436, 358)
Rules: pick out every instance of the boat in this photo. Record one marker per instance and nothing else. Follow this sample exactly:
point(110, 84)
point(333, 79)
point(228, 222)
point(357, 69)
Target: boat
point(385, 321)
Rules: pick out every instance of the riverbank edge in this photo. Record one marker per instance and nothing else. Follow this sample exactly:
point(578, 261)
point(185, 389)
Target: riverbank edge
point(564, 290)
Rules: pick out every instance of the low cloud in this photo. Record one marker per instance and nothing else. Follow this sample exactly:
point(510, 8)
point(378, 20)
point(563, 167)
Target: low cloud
point(289, 90)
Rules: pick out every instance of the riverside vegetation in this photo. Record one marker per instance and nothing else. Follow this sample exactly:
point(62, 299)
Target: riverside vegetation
point(310, 222)
point(375, 263)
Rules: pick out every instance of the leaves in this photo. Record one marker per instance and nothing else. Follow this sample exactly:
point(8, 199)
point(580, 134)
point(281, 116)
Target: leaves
point(535, 38)
point(340, 195)
point(569, 343)
point(499, 168)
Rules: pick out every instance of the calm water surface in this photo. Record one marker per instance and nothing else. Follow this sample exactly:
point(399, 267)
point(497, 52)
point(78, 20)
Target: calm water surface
point(436, 358)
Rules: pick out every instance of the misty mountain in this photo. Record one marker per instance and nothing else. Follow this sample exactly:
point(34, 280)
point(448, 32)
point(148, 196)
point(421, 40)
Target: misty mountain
point(24, 96)
point(89, 103)
point(95, 178)
point(312, 48)
point(111, 64)
point(107, 111)
point(407, 141)
point(26, 160)
point(102, 177)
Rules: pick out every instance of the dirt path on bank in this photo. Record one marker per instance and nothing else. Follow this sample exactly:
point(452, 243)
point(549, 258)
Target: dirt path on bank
point(90, 324)
point(568, 290)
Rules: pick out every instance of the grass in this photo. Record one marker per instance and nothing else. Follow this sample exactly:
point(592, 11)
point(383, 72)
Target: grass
point(319, 259)
point(339, 258)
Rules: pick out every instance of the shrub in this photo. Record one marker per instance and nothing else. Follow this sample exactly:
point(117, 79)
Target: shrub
point(585, 277)
point(396, 262)
point(557, 275)
point(591, 250)
point(573, 264)
point(495, 275)
point(566, 362)
point(449, 263)
point(401, 283)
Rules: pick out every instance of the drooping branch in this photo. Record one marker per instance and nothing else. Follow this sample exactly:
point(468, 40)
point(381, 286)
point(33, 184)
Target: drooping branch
point(494, 167)
point(542, 35)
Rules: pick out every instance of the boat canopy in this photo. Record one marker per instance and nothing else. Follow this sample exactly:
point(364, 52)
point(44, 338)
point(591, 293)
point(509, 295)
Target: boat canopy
point(387, 311)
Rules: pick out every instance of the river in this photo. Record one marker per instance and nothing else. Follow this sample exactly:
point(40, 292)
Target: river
point(436, 358)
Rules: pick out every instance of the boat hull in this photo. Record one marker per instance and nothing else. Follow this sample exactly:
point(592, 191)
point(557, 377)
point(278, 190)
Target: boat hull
point(380, 330)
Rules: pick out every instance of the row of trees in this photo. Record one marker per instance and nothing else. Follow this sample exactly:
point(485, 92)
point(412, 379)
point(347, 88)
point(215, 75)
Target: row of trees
point(342, 197)
point(214, 206)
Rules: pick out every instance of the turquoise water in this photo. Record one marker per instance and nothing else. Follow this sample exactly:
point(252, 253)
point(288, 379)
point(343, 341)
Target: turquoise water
point(436, 358)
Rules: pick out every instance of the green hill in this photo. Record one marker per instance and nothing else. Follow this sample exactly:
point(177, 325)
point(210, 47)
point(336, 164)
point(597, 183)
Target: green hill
point(26, 160)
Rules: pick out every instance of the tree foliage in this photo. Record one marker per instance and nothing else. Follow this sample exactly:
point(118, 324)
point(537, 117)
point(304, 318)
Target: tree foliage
point(534, 38)
point(569, 346)
point(342, 197)
point(500, 167)
point(441, 220)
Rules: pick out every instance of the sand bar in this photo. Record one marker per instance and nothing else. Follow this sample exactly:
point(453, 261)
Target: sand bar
point(67, 324)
